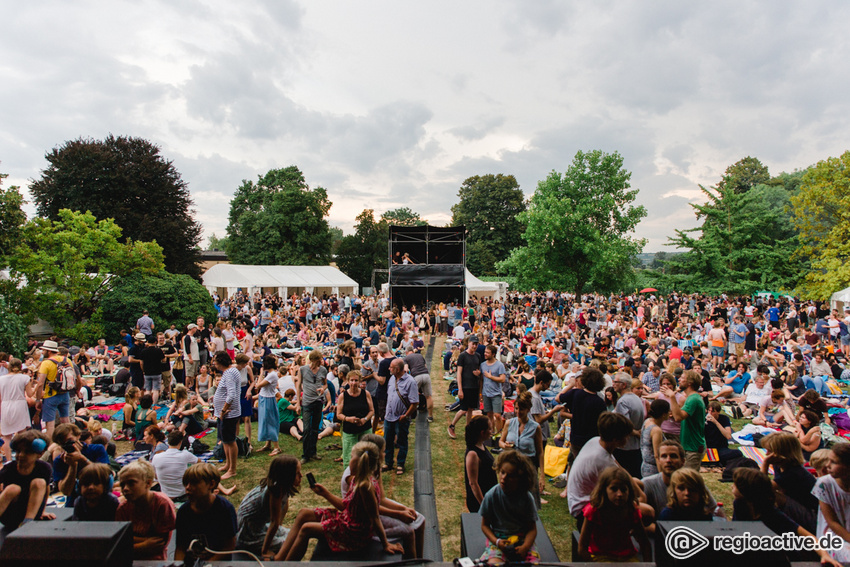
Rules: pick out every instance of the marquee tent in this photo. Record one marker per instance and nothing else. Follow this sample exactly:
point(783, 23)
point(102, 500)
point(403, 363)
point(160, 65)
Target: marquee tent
point(839, 300)
point(227, 279)
point(481, 289)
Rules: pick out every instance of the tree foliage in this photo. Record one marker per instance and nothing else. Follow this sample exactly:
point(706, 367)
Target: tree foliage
point(821, 213)
point(488, 207)
point(125, 179)
point(279, 220)
point(744, 244)
point(169, 298)
point(216, 243)
point(12, 218)
point(403, 216)
point(365, 250)
point(578, 227)
point(63, 268)
point(744, 174)
point(13, 330)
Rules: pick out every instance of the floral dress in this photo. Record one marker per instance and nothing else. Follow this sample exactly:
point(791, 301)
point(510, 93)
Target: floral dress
point(348, 529)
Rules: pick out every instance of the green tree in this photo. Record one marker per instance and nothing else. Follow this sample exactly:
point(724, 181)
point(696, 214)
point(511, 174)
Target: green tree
point(125, 179)
point(365, 250)
point(744, 174)
point(488, 207)
point(743, 245)
point(13, 331)
point(12, 218)
point(578, 227)
point(403, 216)
point(822, 215)
point(336, 238)
point(62, 269)
point(169, 298)
point(216, 243)
point(279, 220)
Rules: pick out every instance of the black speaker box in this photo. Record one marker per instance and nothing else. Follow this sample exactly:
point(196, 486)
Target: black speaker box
point(702, 536)
point(69, 544)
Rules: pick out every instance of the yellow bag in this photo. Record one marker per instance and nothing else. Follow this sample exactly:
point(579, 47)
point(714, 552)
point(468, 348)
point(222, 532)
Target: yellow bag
point(555, 460)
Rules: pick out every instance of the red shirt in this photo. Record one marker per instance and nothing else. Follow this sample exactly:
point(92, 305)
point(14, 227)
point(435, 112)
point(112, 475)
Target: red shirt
point(160, 521)
point(607, 538)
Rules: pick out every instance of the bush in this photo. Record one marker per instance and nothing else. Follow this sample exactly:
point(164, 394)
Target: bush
point(168, 298)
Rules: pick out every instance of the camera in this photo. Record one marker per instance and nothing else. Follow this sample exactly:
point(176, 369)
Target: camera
point(69, 446)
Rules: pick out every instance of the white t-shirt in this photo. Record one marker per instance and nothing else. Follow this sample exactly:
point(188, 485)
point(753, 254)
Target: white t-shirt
point(284, 383)
point(585, 472)
point(269, 389)
point(170, 466)
point(755, 394)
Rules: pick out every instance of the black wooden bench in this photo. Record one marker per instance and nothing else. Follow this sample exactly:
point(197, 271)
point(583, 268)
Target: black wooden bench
point(472, 540)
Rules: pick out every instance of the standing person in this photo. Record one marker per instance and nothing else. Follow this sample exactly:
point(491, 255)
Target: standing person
point(145, 324)
point(191, 355)
point(652, 435)
point(152, 361)
point(269, 426)
point(52, 401)
point(479, 475)
point(524, 435)
point(717, 340)
point(583, 408)
point(15, 388)
point(469, 383)
point(402, 402)
point(246, 391)
point(692, 417)
point(354, 410)
point(227, 410)
point(171, 354)
point(494, 375)
point(382, 376)
point(309, 396)
point(631, 406)
point(203, 336)
point(419, 370)
point(737, 336)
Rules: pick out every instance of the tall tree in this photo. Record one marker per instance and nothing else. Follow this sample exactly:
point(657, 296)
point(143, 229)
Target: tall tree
point(279, 220)
point(744, 174)
point(744, 243)
point(63, 268)
point(336, 238)
point(125, 179)
point(403, 216)
point(216, 243)
point(365, 250)
point(822, 215)
point(578, 227)
point(488, 207)
point(12, 218)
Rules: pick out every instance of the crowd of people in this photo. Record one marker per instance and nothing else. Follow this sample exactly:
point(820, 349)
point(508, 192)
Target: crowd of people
point(639, 388)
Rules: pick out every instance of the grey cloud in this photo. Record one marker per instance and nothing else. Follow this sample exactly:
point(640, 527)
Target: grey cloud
point(479, 130)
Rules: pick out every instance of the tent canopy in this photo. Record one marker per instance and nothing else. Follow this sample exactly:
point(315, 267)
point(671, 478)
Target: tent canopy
point(479, 289)
point(282, 279)
point(840, 299)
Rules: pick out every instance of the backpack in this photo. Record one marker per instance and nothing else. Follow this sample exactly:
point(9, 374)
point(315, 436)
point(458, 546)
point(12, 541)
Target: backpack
point(66, 377)
point(244, 446)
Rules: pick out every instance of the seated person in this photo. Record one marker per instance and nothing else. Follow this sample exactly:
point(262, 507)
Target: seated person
point(73, 455)
point(170, 466)
point(756, 391)
point(774, 409)
point(687, 498)
point(734, 383)
point(718, 432)
point(792, 481)
point(207, 516)
point(96, 502)
point(24, 481)
point(151, 513)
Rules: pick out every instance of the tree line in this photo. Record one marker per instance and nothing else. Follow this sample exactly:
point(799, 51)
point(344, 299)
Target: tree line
point(116, 210)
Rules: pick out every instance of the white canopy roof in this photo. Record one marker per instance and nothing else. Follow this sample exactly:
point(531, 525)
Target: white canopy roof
point(308, 278)
point(840, 298)
point(478, 288)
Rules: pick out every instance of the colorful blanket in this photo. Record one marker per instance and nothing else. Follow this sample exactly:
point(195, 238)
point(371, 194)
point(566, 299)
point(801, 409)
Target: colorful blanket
point(757, 454)
point(711, 456)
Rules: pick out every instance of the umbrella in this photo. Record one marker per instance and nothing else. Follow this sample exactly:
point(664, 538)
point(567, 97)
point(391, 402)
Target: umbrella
point(647, 290)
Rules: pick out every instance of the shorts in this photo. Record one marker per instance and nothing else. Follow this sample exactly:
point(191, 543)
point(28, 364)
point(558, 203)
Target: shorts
point(227, 429)
point(190, 368)
point(59, 403)
point(423, 381)
point(470, 399)
point(845, 339)
point(153, 383)
point(166, 380)
point(492, 404)
point(693, 459)
point(738, 349)
point(718, 351)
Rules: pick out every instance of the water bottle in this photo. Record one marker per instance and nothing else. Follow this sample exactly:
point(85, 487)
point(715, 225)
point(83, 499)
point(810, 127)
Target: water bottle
point(719, 514)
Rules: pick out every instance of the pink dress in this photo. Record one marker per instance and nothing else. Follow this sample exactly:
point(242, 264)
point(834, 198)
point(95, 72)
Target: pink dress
point(348, 529)
point(14, 412)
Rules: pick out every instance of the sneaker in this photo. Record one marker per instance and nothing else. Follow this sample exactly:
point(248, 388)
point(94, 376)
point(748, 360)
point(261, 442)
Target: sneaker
point(316, 457)
point(452, 432)
point(304, 461)
point(430, 419)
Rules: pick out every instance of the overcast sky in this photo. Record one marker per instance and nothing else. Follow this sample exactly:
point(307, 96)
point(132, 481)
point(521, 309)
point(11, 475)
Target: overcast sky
point(389, 104)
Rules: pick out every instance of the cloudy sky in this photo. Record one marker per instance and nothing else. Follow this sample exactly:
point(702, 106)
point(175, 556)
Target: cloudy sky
point(389, 104)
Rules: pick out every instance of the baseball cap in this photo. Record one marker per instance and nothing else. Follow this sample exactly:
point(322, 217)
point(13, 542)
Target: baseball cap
point(473, 338)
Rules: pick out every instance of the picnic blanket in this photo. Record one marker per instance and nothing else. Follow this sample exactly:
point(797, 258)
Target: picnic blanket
point(757, 454)
point(128, 458)
point(201, 435)
point(744, 437)
point(711, 456)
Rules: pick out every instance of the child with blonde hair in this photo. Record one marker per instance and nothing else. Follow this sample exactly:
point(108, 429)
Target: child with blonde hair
point(151, 514)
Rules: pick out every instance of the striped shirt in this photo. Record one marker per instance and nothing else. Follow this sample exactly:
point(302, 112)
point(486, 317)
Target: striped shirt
point(228, 392)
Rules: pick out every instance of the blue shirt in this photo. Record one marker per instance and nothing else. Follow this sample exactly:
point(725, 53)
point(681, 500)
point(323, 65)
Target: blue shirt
point(508, 514)
point(735, 337)
point(408, 388)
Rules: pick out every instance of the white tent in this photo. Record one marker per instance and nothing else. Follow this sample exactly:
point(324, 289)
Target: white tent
point(226, 279)
point(482, 289)
point(840, 299)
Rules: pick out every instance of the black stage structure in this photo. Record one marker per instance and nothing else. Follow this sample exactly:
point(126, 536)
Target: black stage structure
point(436, 272)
